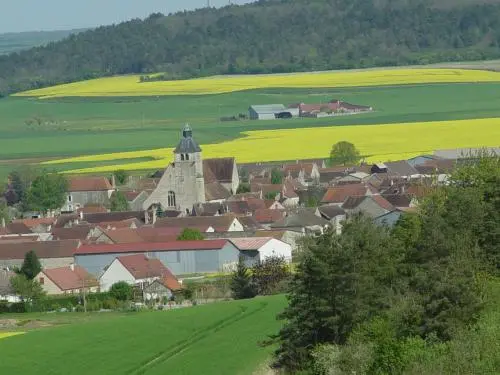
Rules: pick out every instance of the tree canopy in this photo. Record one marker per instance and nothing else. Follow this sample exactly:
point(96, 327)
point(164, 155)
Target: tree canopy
point(31, 265)
point(190, 234)
point(47, 192)
point(118, 202)
point(344, 153)
point(264, 37)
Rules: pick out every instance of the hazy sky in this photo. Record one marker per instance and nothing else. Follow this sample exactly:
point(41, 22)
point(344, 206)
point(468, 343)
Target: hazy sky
point(32, 15)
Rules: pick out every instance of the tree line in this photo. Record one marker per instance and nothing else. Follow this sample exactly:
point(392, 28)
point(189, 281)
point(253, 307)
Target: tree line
point(405, 300)
point(264, 37)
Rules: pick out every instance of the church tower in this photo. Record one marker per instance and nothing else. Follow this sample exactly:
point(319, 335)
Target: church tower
point(188, 166)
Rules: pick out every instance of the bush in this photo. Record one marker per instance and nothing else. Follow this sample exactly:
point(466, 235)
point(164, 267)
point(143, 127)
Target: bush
point(121, 291)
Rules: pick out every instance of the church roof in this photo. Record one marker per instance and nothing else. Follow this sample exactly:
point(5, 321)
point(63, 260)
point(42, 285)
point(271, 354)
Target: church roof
point(187, 144)
point(220, 170)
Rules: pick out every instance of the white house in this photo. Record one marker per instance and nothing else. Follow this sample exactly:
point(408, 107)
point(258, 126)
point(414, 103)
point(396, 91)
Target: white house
point(260, 248)
point(67, 280)
point(137, 270)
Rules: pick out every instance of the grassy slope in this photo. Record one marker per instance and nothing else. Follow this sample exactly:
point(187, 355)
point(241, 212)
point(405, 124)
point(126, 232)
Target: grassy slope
point(90, 126)
point(212, 339)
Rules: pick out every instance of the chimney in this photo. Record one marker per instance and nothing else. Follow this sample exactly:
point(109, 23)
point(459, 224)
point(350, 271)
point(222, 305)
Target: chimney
point(3, 222)
point(72, 266)
point(154, 215)
point(402, 189)
point(81, 214)
point(113, 181)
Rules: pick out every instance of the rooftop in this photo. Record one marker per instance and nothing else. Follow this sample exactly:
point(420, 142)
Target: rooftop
point(76, 184)
point(67, 279)
point(250, 243)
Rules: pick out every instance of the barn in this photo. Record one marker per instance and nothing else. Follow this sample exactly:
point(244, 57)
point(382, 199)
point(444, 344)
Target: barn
point(257, 249)
point(271, 112)
point(181, 257)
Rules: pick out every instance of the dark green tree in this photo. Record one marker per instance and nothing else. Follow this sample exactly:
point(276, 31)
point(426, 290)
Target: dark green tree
point(190, 234)
point(344, 153)
point(29, 290)
point(276, 176)
point(241, 282)
point(270, 275)
point(340, 282)
point(118, 202)
point(120, 176)
point(243, 188)
point(121, 291)
point(31, 265)
point(47, 192)
point(271, 195)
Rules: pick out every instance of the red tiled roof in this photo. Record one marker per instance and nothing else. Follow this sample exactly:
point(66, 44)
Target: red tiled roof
point(43, 249)
point(77, 232)
point(127, 223)
point(218, 170)
point(142, 267)
point(216, 191)
point(66, 278)
point(256, 203)
point(141, 247)
point(171, 283)
point(92, 209)
point(294, 169)
point(250, 243)
point(31, 223)
point(216, 222)
point(338, 194)
point(382, 202)
point(124, 235)
point(89, 184)
point(266, 215)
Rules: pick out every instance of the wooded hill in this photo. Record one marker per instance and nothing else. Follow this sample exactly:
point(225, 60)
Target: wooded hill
point(265, 37)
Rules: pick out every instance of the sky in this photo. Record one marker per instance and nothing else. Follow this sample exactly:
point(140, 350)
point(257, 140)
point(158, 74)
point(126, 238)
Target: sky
point(38, 15)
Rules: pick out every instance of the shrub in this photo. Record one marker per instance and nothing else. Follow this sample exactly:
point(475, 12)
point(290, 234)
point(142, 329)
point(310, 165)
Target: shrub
point(121, 291)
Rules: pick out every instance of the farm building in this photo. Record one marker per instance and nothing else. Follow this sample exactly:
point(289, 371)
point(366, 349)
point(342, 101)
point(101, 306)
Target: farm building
point(271, 112)
point(66, 280)
point(257, 249)
point(333, 107)
point(138, 270)
point(87, 190)
point(181, 257)
point(52, 254)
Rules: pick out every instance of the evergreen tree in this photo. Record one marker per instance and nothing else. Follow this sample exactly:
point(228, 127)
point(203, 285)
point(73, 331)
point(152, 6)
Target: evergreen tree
point(276, 176)
point(119, 202)
point(270, 274)
point(31, 265)
point(241, 282)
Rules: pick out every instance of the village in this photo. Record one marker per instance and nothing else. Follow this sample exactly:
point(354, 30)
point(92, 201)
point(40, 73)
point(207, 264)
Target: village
point(254, 211)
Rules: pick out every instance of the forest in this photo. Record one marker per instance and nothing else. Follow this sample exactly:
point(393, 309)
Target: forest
point(420, 298)
point(264, 37)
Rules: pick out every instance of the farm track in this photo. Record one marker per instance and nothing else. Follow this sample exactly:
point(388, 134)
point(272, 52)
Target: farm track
point(173, 351)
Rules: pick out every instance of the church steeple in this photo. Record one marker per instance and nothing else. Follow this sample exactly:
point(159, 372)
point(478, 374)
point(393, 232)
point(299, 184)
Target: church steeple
point(187, 144)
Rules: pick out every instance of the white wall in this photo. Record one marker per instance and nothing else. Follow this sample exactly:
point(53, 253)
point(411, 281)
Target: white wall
point(277, 248)
point(236, 226)
point(115, 273)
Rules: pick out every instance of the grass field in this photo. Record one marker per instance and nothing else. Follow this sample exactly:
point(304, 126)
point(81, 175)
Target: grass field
point(131, 85)
point(375, 142)
point(213, 339)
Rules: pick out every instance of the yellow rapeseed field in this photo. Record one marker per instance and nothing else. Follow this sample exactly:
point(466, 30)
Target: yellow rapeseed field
point(376, 142)
point(131, 85)
point(4, 335)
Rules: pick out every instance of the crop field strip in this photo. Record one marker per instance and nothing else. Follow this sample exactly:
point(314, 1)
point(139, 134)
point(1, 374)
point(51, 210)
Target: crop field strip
point(152, 342)
point(131, 85)
point(375, 142)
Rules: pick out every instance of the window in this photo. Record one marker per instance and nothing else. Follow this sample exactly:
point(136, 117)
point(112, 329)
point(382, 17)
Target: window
point(70, 198)
point(171, 199)
point(187, 156)
point(41, 281)
point(182, 156)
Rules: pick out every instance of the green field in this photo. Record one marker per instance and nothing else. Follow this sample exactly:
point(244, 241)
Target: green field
point(220, 338)
point(42, 129)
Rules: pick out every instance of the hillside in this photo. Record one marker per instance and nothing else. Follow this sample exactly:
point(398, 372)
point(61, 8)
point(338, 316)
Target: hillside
point(15, 42)
point(220, 338)
point(267, 36)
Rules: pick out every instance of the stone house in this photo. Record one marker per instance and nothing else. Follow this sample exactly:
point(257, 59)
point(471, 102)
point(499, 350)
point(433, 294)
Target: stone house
point(87, 190)
point(67, 280)
point(339, 193)
point(135, 199)
point(334, 214)
point(305, 173)
point(52, 254)
point(190, 179)
point(372, 206)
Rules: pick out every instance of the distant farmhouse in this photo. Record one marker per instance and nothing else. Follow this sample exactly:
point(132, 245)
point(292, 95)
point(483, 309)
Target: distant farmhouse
point(334, 107)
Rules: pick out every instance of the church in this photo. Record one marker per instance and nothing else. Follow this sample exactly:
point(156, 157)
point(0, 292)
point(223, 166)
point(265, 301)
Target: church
point(189, 179)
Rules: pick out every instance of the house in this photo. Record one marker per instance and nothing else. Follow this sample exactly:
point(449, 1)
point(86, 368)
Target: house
point(396, 169)
point(388, 219)
point(338, 194)
point(39, 225)
point(161, 288)
point(76, 232)
point(226, 223)
point(333, 107)
point(87, 190)
point(271, 112)
point(334, 214)
point(303, 221)
point(112, 217)
point(305, 173)
point(351, 178)
point(182, 257)
point(52, 254)
point(6, 291)
point(137, 270)
point(135, 198)
point(372, 206)
point(266, 216)
point(258, 249)
point(67, 280)
point(190, 180)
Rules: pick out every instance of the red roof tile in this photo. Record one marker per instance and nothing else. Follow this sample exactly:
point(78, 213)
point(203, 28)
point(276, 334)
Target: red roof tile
point(91, 209)
point(142, 247)
point(250, 243)
point(32, 223)
point(43, 249)
point(266, 215)
point(142, 267)
point(66, 278)
point(338, 194)
point(89, 184)
point(382, 202)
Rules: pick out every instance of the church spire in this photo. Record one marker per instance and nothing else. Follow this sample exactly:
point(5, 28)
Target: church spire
point(187, 132)
point(187, 144)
